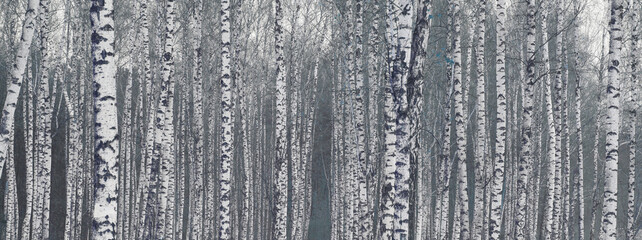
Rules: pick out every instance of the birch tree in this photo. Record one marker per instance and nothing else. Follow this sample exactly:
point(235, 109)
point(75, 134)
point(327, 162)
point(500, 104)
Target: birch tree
point(197, 167)
point(43, 131)
point(461, 212)
point(480, 149)
point(609, 216)
point(281, 181)
point(106, 134)
point(500, 142)
point(634, 85)
point(227, 136)
point(527, 119)
point(17, 76)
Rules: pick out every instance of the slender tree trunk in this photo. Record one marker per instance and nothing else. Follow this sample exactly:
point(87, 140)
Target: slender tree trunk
point(227, 137)
point(29, 156)
point(17, 71)
point(11, 194)
point(609, 223)
point(500, 145)
point(525, 160)
point(281, 181)
point(548, 215)
point(480, 149)
point(44, 115)
point(399, 51)
point(460, 229)
point(415, 99)
point(105, 120)
point(197, 167)
point(557, 109)
point(579, 188)
point(635, 52)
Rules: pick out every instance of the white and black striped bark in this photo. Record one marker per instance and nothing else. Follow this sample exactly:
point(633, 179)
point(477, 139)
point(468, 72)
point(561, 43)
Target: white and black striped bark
point(166, 130)
point(497, 186)
point(635, 52)
point(460, 228)
point(609, 216)
point(281, 177)
point(197, 167)
point(11, 194)
point(43, 131)
point(105, 121)
point(227, 137)
point(480, 148)
point(17, 74)
point(557, 109)
point(579, 182)
point(374, 82)
point(29, 156)
point(365, 225)
point(525, 159)
point(550, 190)
point(399, 33)
point(415, 99)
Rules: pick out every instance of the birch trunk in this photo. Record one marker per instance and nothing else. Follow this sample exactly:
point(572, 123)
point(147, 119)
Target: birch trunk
point(43, 129)
point(635, 52)
point(557, 109)
point(17, 71)
point(609, 223)
point(415, 96)
point(399, 51)
point(281, 177)
point(497, 188)
point(227, 137)
point(360, 126)
point(525, 160)
point(167, 168)
point(480, 149)
point(197, 167)
point(29, 156)
point(105, 120)
point(374, 157)
point(11, 194)
point(460, 229)
point(580, 145)
point(387, 214)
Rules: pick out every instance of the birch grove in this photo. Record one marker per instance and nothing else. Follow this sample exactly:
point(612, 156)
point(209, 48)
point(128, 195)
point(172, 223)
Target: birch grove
point(343, 119)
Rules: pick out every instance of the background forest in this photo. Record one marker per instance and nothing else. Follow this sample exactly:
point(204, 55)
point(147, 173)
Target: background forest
point(320, 119)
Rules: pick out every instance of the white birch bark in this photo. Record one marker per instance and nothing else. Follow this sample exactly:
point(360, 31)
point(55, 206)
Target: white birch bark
point(167, 169)
point(500, 142)
point(480, 149)
point(281, 181)
point(609, 223)
point(525, 159)
point(548, 215)
point(557, 109)
point(11, 194)
point(415, 95)
point(387, 212)
point(43, 130)
point(460, 229)
point(580, 145)
point(197, 167)
point(105, 120)
point(633, 98)
point(374, 157)
point(17, 71)
point(360, 126)
point(29, 157)
point(399, 51)
point(227, 137)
